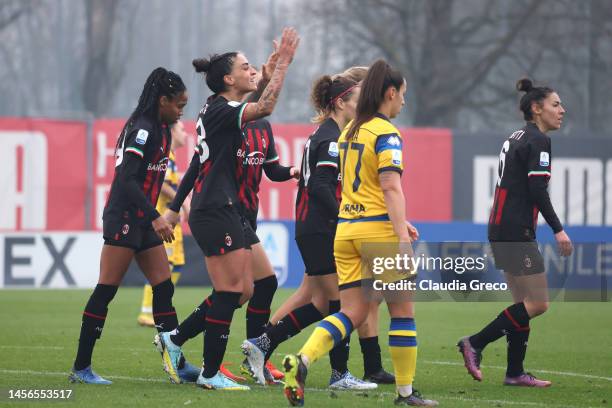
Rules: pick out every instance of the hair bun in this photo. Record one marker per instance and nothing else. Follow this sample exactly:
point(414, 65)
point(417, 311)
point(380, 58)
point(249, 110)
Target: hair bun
point(201, 64)
point(524, 85)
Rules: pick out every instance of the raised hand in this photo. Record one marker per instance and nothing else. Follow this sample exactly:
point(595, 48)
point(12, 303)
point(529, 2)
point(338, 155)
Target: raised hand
point(288, 45)
point(268, 68)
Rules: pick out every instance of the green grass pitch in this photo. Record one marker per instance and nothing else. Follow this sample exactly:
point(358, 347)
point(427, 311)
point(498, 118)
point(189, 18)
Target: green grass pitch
point(570, 345)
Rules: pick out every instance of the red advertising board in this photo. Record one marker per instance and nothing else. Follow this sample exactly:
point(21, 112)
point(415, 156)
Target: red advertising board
point(44, 186)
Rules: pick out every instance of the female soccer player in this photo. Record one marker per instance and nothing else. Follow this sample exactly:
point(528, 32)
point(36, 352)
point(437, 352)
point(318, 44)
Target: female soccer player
point(174, 249)
point(216, 219)
point(521, 192)
point(316, 216)
point(372, 210)
point(132, 226)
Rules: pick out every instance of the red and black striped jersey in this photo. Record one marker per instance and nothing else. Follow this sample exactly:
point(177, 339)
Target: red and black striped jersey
point(317, 203)
point(522, 187)
point(213, 173)
point(140, 169)
point(257, 150)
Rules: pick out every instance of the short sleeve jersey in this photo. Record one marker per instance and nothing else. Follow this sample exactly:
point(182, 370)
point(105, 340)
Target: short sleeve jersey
point(220, 137)
point(257, 150)
point(526, 153)
point(320, 150)
point(376, 148)
point(151, 142)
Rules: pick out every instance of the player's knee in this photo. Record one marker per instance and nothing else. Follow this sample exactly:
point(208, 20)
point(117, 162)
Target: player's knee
point(247, 293)
point(537, 308)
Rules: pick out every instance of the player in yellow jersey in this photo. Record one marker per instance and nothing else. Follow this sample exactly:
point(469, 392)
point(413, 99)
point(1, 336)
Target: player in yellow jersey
point(372, 211)
point(174, 249)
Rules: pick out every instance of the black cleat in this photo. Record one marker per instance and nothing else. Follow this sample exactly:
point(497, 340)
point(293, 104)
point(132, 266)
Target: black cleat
point(380, 377)
point(416, 400)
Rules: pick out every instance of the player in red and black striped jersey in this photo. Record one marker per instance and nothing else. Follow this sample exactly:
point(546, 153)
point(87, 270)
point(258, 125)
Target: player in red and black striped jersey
point(521, 193)
point(259, 155)
point(217, 218)
point(132, 227)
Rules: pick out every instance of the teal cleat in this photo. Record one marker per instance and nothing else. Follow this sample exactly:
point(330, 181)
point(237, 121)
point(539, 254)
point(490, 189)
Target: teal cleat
point(171, 355)
point(189, 373)
point(220, 382)
point(87, 376)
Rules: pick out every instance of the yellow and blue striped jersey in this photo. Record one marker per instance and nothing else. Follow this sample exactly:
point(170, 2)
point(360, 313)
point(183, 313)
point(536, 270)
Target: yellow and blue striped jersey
point(376, 148)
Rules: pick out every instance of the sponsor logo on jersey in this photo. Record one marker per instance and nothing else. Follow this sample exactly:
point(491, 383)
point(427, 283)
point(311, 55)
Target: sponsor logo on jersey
point(162, 165)
point(544, 159)
point(354, 208)
point(333, 149)
point(254, 159)
point(142, 136)
point(396, 157)
point(394, 141)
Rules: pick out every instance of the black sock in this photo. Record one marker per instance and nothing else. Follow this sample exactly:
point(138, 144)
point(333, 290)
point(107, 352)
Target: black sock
point(258, 310)
point(372, 360)
point(194, 324)
point(291, 324)
point(339, 355)
point(218, 321)
point(517, 348)
point(163, 311)
point(513, 318)
point(92, 324)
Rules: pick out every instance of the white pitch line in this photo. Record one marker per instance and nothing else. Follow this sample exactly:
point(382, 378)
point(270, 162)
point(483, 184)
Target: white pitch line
point(157, 380)
point(566, 373)
point(231, 352)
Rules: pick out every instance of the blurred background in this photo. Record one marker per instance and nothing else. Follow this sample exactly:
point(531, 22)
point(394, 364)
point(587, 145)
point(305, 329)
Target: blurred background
point(461, 57)
point(71, 71)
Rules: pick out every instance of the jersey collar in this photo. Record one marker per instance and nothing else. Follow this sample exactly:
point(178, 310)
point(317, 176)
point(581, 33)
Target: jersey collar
point(383, 117)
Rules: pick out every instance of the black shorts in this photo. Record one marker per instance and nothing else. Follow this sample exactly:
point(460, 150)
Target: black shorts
point(317, 252)
point(250, 236)
point(129, 234)
point(518, 258)
point(217, 231)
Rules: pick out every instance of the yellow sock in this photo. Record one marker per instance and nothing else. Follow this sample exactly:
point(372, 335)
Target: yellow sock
point(329, 332)
point(403, 349)
point(175, 277)
point(147, 300)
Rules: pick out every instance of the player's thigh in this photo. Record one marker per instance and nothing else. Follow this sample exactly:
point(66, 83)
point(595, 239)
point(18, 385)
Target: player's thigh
point(227, 272)
point(153, 263)
point(114, 263)
point(348, 264)
point(262, 268)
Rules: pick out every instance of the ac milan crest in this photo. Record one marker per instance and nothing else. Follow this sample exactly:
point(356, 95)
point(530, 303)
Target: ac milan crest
point(228, 240)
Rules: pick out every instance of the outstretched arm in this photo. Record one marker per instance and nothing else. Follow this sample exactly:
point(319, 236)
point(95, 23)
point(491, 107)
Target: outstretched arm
point(266, 103)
